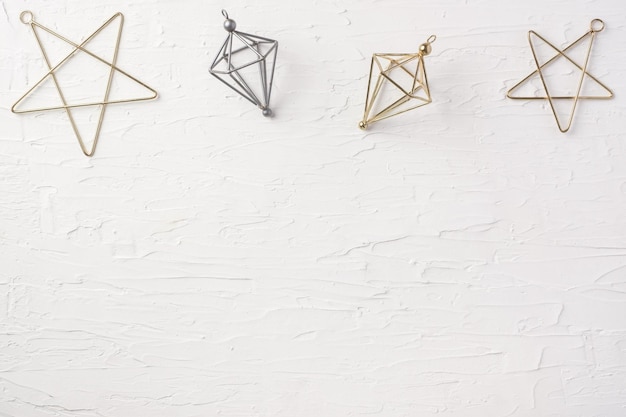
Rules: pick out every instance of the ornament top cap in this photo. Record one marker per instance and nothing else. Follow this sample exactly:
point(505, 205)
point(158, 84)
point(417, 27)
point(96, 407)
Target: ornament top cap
point(229, 24)
point(425, 48)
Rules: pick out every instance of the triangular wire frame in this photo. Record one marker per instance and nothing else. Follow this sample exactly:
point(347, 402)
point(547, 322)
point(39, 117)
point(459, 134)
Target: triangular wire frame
point(583, 68)
point(227, 72)
point(51, 73)
point(396, 62)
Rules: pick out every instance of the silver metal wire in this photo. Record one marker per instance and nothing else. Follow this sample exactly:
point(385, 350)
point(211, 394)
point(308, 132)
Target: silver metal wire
point(224, 69)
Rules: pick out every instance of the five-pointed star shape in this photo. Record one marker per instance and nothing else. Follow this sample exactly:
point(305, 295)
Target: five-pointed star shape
point(583, 68)
point(27, 18)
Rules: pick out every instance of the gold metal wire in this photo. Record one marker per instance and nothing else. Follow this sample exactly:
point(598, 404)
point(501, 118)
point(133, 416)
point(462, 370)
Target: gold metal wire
point(595, 26)
point(397, 62)
point(27, 17)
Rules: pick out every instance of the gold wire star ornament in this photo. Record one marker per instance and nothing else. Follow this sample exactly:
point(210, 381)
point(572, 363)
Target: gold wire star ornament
point(396, 73)
point(595, 27)
point(27, 17)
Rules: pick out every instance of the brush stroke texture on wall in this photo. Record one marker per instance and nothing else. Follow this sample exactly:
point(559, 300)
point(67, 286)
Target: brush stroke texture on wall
point(463, 260)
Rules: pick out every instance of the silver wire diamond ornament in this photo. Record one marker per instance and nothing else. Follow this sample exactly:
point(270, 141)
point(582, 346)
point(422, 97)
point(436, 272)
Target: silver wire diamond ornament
point(243, 58)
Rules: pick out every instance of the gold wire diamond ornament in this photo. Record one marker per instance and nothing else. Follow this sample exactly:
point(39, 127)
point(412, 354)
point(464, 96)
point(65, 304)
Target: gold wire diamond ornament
point(63, 102)
point(595, 27)
point(397, 84)
point(244, 58)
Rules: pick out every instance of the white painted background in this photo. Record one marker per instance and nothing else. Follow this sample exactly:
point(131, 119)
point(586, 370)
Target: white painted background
point(463, 260)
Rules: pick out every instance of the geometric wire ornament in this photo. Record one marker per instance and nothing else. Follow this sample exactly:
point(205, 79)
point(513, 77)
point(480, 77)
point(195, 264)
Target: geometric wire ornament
point(27, 18)
point(393, 75)
point(244, 58)
point(596, 26)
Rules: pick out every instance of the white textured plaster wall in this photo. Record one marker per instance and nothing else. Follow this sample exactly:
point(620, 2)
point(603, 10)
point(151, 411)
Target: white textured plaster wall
point(464, 260)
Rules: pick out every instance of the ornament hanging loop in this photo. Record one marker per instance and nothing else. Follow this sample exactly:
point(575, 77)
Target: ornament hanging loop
point(27, 17)
point(596, 25)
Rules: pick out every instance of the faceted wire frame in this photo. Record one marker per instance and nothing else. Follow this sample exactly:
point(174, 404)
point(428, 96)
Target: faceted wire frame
point(231, 76)
point(396, 62)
